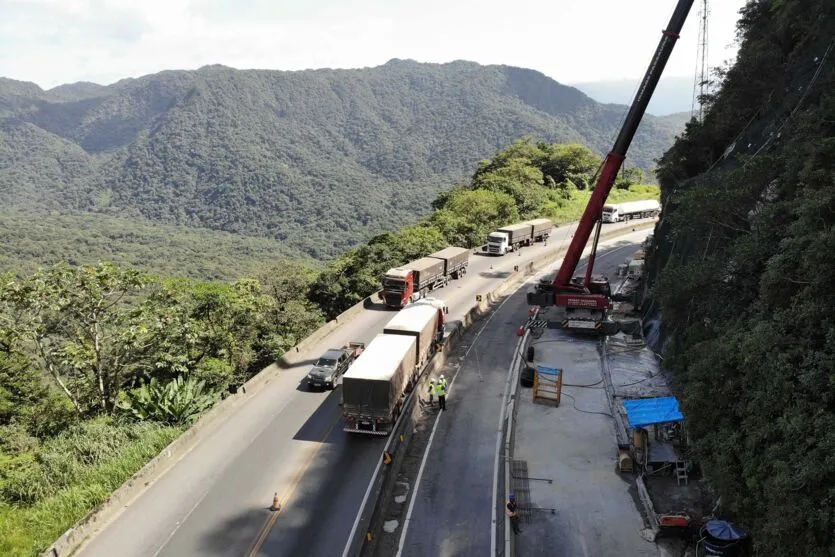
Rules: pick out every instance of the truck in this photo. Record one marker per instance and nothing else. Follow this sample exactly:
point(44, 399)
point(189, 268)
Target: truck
point(455, 261)
point(375, 389)
point(413, 281)
point(333, 364)
point(630, 210)
point(424, 322)
point(509, 238)
point(541, 229)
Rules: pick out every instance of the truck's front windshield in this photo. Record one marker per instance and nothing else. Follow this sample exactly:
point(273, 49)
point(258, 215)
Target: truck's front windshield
point(325, 362)
point(394, 285)
point(496, 238)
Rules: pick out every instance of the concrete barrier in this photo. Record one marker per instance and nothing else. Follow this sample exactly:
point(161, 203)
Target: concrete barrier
point(99, 517)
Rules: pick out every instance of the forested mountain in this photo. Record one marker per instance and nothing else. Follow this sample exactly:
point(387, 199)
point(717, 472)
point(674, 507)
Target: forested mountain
point(743, 274)
point(320, 159)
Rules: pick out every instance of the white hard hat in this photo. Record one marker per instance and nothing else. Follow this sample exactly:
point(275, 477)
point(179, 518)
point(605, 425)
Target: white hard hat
point(442, 376)
point(431, 380)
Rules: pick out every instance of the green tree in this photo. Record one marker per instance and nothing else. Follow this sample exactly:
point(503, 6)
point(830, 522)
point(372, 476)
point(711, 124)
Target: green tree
point(80, 328)
point(520, 180)
point(468, 216)
point(570, 163)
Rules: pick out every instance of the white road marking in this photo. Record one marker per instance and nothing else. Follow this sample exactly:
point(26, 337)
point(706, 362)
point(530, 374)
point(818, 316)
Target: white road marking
point(432, 436)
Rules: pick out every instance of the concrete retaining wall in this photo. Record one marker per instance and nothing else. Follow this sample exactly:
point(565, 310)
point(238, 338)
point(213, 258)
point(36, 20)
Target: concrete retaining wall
point(71, 540)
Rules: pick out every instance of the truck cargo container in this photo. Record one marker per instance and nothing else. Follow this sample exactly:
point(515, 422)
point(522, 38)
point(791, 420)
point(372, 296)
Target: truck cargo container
point(413, 281)
point(630, 210)
point(425, 323)
point(455, 261)
point(375, 388)
point(541, 229)
point(509, 238)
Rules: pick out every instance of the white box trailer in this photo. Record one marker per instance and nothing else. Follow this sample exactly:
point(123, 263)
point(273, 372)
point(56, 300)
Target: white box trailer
point(374, 389)
point(423, 322)
point(631, 210)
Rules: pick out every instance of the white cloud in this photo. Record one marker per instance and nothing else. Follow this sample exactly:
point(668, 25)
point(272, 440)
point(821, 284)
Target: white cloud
point(59, 41)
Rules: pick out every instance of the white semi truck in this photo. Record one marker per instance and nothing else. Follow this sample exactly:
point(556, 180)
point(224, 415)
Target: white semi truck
point(514, 236)
point(631, 210)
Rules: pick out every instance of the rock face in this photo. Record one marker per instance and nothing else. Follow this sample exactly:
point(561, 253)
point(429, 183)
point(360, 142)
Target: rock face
point(741, 272)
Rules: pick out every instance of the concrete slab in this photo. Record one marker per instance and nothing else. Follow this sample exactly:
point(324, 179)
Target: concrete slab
point(565, 460)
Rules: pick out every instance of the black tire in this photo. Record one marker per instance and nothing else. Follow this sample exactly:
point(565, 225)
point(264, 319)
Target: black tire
point(526, 377)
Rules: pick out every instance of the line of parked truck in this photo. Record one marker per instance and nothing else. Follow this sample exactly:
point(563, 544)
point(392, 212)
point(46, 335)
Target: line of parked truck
point(377, 379)
point(416, 279)
point(375, 388)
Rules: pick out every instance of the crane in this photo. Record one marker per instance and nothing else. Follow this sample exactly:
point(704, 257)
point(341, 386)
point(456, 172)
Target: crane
point(587, 299)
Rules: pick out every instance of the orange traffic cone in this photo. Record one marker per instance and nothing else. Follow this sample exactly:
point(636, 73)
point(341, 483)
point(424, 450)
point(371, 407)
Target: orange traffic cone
point(276, 505)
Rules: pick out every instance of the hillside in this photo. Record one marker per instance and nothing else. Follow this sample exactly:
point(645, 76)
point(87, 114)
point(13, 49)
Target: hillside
point(743, 271)
point(319, 160)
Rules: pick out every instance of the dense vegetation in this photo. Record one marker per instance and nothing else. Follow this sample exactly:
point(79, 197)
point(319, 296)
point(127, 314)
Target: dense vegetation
point(527, 180)
point(282, 155)
point(101, 366)
point(744, 275)
point(27, 243)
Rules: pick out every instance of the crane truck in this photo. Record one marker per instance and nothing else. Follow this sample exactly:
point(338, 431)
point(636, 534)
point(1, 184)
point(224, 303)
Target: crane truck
point(586, 299)
point(376, 387)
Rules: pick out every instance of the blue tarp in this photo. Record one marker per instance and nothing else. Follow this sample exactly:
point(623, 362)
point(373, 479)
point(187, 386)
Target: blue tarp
point(725, 531)
point(649, 411)
point(542, 370)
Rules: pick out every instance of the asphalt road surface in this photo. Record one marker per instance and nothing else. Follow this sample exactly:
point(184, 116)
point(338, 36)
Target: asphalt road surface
point(452, 514)
point(285, 440)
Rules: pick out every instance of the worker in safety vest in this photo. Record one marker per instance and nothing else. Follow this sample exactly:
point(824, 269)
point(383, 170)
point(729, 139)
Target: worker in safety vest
point(512, 511)
point(431, 392)
point(442, 380)
point(440, 389)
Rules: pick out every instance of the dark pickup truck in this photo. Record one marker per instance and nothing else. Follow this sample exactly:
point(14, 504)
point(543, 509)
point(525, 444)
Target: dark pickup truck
point(333, 364)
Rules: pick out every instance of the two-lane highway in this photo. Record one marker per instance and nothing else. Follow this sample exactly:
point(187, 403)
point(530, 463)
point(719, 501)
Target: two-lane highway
point(453, 504)
point(283, 440)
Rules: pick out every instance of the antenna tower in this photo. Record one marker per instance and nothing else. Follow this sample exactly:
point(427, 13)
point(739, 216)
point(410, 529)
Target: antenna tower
point(700, 82)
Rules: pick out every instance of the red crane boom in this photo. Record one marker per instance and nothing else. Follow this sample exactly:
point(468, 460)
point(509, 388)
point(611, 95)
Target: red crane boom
point(587, 294)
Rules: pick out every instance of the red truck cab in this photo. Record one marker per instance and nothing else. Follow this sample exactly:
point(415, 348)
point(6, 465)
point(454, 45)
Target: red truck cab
point(398, 287)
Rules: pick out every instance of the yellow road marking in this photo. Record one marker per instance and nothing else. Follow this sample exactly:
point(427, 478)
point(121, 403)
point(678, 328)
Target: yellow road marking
point(288, 493)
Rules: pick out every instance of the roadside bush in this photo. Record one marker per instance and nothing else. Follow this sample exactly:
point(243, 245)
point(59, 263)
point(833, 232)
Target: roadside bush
point(177, 402)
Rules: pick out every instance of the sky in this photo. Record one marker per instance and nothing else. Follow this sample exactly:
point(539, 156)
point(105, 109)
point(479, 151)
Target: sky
point(51, 42)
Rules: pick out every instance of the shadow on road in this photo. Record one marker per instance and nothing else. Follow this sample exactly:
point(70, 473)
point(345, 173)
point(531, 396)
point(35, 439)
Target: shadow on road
point(326, 415)
point(495, 274)
point(236, 532)
point(377, 306)
point(318, 512)
point(286, 364)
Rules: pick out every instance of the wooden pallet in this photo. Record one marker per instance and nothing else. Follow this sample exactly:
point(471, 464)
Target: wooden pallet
point(547, 385)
